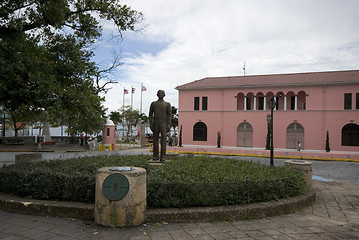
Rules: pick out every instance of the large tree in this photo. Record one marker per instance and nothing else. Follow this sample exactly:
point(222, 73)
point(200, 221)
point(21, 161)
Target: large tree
point(45, 61)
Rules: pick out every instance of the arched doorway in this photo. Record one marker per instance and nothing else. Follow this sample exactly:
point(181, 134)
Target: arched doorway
point(295, 134)
point(200, 132)
point(350, 135)
point(244, 135)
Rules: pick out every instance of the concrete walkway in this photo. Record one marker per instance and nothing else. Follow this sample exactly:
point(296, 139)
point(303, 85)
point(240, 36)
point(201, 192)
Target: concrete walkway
point(335, 215)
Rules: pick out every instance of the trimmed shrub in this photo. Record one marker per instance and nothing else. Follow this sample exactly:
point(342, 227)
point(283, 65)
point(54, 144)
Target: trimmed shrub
point(67, 180)
point(207, 181)
point(327, 146)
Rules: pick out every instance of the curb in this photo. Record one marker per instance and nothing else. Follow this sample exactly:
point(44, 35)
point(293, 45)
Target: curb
point(86, 210)
point(265, 156)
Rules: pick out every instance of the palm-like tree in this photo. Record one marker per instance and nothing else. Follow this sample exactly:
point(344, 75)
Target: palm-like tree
point(174, 122)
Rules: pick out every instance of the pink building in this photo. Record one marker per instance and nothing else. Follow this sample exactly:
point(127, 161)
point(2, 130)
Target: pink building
point(308, 106)
point(108, 132)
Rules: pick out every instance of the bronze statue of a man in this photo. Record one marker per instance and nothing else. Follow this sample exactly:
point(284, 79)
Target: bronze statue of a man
point(160, 122)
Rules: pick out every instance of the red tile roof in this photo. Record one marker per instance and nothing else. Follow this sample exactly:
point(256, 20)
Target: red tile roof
point(335, 77)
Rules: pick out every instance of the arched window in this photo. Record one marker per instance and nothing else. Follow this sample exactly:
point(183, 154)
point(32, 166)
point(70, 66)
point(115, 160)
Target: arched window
point(280, 101)
point(200, 132)
point(244, 135)
point(290, 100)
point(260, 101)
point(249, 101)
point(302, 100)
point(350, 135)
point(240, 101)
point(295, 134)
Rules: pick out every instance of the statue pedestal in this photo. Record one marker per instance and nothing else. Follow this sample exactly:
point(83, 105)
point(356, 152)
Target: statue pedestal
point(302, 166)
point(120, 199)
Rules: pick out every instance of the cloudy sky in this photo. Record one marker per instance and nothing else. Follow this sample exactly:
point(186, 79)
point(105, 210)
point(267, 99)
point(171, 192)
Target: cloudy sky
point(187, 40)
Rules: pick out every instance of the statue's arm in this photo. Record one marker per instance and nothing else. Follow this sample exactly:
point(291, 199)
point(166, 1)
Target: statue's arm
point(150, 116)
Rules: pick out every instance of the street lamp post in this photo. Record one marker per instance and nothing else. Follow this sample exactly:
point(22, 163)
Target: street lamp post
point(271, 104)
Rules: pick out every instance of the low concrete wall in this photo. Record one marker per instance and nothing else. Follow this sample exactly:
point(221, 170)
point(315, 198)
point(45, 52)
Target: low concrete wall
point(32, 139)
point(28, 158)
point(86, 210)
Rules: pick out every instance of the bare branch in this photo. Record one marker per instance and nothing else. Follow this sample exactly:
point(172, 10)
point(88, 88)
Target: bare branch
point(104, 74)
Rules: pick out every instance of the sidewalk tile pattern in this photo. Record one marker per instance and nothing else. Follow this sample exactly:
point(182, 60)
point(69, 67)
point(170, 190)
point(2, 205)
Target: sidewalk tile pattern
point(335, 215)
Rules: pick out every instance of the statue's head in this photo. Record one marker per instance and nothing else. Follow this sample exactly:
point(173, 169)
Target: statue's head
point(161, 93)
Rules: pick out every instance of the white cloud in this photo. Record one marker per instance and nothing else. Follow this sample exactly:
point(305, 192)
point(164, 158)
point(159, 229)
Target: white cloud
point(197, 39)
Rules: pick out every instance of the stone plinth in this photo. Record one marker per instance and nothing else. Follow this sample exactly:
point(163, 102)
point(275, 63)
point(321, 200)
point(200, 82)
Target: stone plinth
point(120, 199)
point(303, 166)
point(26, 158)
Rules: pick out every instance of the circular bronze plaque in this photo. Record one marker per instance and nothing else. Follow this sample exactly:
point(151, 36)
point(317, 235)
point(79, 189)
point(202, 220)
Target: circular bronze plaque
point(115, 187)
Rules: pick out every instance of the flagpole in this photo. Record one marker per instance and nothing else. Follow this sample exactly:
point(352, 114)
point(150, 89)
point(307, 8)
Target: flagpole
point(123, 109)
point(141, 99)
point(131, 96)
point(123, 102)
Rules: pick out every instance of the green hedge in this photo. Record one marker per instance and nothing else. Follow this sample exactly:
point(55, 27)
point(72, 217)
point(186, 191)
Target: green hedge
point(180, 182)
point(208, 181)
point(67, 180)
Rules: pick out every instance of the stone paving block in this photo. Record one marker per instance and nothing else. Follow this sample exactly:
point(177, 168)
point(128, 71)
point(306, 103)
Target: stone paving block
point(9, 229)
point(160, 235)
point(221, 236)
point(315, 229)
point(238, 234)
point(172, 227)
point(33, 234)
point(211, 229)
point(312, 236)
point(271, 232)
point(298, 237)
point(68, 231)
point(59, 237)
point(329, 236)
point(139, 237)
point(288, 224)
point(264, 238)
point(245, 227)
point(3, 235)
point(267, 226)
point(255, 234)
point(346, 234)
point(195, 231)
point(225, 226)
point(14, 238)
point(203, 237)
point(281, 237)
point(179, 234)
point(287, 231)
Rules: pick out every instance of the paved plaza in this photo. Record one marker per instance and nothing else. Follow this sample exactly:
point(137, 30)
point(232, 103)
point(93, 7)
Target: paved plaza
point(334, 215)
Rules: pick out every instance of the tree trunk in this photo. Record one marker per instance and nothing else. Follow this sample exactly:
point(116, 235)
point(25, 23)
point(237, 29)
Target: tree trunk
point(46, 132)
point(15, 128)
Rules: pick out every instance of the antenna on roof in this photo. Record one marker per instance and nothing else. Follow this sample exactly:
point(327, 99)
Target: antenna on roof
point(244, 69)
